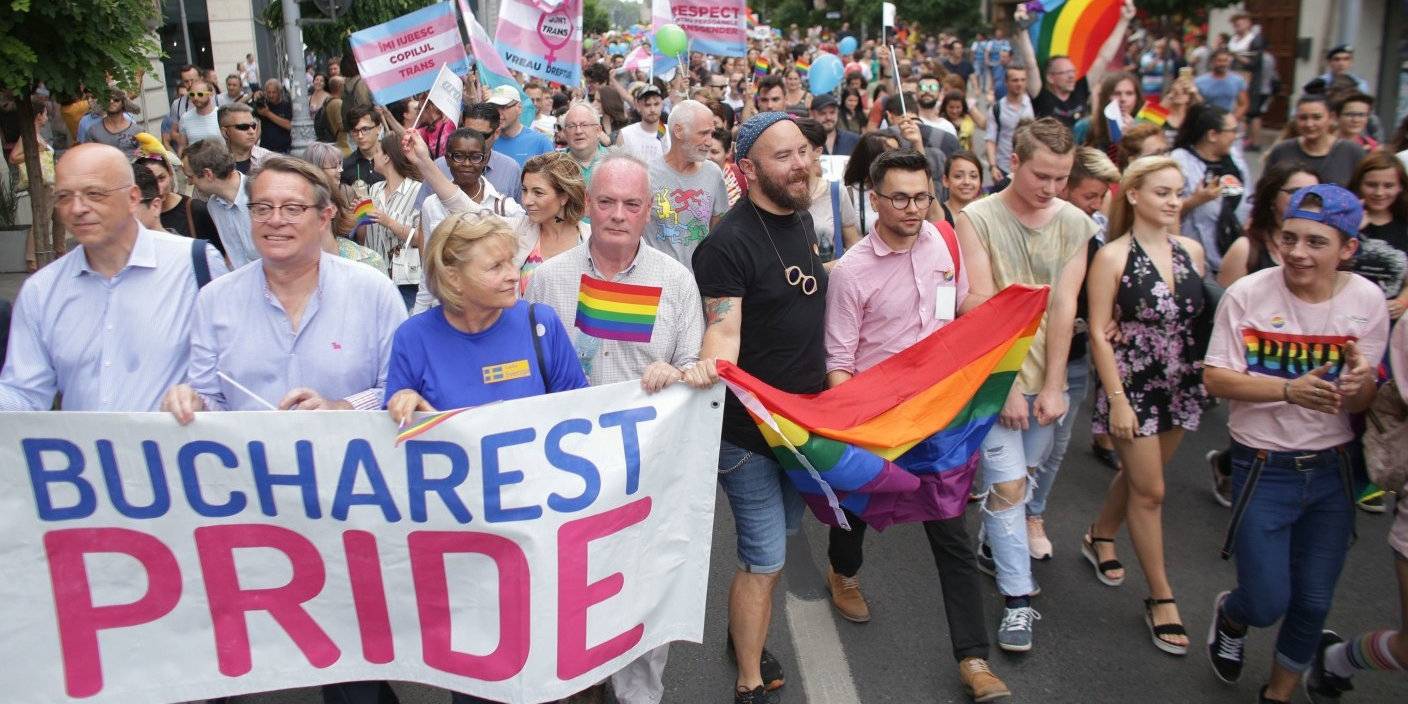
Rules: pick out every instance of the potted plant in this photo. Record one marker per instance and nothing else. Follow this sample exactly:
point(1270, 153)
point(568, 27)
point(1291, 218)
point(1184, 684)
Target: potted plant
point(12, 234)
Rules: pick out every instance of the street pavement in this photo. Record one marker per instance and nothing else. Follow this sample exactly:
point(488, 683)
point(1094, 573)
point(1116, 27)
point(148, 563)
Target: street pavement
point(1091, 644)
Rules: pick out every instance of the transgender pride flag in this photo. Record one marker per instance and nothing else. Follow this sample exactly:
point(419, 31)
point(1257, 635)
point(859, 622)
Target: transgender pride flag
point(492, 69)
point(401, 58)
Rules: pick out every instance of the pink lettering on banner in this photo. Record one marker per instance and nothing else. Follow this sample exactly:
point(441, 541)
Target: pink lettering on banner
point(428, 550)
point(79, 619)
point(369, 596)
point(229, 602)
point(575, 595)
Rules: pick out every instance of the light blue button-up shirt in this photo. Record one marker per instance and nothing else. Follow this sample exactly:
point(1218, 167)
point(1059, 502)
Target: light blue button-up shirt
point(340, 350)
point(106, 344)
point(232, 221)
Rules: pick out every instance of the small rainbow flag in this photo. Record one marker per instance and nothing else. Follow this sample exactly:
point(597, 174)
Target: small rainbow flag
point(900, 442)
point(617, 311)
point(427, 423)
point(1073, 28)
point(802, 64)
point(1153, 112)
point(363, 212)
point(761, 66)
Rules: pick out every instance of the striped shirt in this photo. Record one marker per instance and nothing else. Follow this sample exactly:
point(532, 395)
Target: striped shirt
point(679, 322)
point(399, 205)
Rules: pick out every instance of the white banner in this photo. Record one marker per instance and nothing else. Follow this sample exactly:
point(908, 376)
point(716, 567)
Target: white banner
point(521, 551)
point(448, 94)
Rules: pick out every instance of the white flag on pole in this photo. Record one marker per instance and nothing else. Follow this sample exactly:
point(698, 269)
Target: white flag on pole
point(887, 14)
point(448, 94)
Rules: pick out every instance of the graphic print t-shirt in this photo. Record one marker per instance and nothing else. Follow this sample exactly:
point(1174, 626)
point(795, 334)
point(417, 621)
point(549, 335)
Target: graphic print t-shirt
point(1263, 329)
point(681, 207)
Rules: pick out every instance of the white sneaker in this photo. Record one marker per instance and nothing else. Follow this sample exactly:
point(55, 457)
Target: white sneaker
point(1037, 543)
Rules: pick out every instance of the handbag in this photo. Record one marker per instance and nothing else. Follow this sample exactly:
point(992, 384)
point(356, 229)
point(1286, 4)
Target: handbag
point(1387, 421)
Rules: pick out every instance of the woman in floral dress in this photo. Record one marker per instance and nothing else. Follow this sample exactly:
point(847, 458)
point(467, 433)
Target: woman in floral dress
point(1150, 282)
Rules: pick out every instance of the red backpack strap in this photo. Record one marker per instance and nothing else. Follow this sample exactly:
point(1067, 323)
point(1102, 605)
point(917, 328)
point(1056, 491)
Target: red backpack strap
point(950, 236)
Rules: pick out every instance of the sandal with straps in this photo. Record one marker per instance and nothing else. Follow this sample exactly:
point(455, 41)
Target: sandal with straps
point(1161, 631)
point(1102, 569)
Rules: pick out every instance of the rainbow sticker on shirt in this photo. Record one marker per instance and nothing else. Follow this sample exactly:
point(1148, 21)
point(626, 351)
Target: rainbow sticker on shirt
point(616, 311)
point(1288, 356)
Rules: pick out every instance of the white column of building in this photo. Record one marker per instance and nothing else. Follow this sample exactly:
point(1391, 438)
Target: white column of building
point(231, 35)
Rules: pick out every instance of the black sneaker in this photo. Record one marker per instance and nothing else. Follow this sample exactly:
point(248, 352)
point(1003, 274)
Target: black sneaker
point(768, 666)
point(1321, 685)
point(757, 695)
point(1224, 646)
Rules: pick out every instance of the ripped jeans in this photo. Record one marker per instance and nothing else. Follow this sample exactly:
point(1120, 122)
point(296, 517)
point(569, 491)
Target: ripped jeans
point(1009, 455)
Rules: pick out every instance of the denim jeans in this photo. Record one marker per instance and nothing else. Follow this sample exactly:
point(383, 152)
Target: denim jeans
point(958, 577)
point(766, 507)
point(1009, 455)
point(1291, 532)
point(1077, 385)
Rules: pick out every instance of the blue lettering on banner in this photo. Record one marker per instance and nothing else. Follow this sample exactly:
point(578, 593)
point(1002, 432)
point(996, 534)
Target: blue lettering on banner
point(572, 464)
point(630, 439)
point(306, 477)
point(418, 485)
point(40, 477)
point(156, 474)
point(495, 480)
point(359, 455)
point(186, 462)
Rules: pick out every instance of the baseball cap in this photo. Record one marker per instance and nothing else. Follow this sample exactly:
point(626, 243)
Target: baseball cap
point(824, 100)
point(503, 96)
point(1338, 208)
point(646, 89)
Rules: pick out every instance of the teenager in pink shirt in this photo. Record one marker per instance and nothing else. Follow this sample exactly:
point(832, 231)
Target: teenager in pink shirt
point(1293, 350)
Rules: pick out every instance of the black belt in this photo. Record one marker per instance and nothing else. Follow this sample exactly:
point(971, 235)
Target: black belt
point(1295, 461)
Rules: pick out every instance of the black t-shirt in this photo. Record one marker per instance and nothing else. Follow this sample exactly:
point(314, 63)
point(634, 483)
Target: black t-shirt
point(273, 137)
point(783, 341)
point(963, 68)
point(1068, 111)
point(359, 168)
point(175, 220)
point(1394, 232)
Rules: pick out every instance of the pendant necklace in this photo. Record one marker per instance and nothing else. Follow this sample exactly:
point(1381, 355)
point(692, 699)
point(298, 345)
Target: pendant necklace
point(806, 282)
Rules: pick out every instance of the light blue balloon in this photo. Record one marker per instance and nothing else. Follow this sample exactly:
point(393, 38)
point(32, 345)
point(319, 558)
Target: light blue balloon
point(847, 45)
point(825, 73)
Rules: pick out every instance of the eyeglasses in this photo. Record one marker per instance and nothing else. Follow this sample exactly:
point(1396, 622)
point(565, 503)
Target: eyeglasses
point(579, 126)
point(363, 130)
point(1357, 115)
point(462, 158)
point(91, 195)
point(902, 201)
point(261, 212)
point(198, 93)
point(244, 126)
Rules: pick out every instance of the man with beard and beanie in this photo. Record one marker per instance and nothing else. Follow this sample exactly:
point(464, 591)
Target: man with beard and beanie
point(759, 273)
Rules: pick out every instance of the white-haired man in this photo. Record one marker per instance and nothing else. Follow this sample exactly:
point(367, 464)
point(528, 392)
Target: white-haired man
point(687, 194)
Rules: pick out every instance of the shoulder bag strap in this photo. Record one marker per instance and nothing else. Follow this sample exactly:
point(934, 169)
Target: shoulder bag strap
point(537, 347)
point(951, 239)
point(840, 242)
point(199, 263)
point(190, 219)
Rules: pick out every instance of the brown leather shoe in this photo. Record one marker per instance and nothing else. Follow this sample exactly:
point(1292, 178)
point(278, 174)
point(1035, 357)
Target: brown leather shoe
point(846, 597)
point(979, 681)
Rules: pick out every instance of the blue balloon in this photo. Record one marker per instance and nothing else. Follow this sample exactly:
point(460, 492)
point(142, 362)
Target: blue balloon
point(825, 73)
point(847, 45)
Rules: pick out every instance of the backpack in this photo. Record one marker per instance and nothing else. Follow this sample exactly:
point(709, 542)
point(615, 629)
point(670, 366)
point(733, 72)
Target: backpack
point(1387, 421)
point(322, 127)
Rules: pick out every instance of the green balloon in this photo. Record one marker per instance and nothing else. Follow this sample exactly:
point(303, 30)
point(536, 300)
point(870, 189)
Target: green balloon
point(670, 40)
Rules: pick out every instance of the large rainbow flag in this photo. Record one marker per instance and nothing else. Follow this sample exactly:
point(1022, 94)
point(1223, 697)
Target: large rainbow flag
point(899, 442)
point(1074, 28)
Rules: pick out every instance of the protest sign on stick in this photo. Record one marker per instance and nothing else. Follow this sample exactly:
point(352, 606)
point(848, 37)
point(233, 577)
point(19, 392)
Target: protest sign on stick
point(400, 58)
point(542, 39)
point(520, 552)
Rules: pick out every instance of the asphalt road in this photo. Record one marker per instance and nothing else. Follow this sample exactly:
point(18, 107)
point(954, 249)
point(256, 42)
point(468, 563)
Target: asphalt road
point(1091, 643)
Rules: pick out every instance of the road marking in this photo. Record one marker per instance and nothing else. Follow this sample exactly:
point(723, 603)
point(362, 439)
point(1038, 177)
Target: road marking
point(816, 642)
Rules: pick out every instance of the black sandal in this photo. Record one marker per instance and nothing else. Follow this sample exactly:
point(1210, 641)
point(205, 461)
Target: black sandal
point(1087, 549)
point(1157, 633)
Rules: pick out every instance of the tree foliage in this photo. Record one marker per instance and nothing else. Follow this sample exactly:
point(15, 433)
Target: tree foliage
point(595, 18)
point(330, 38)
point(68, 44)
point(961, 16)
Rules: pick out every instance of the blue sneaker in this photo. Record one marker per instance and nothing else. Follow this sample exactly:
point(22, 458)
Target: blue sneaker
point(1015, 632)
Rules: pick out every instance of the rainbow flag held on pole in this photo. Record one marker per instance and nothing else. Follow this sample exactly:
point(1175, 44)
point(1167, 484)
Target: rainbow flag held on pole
point(363, 212)
point(1073, 28)
point(1152, 111)
point(802, 65)
point(899, 442)
point(612, 310)
point(761, 66)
